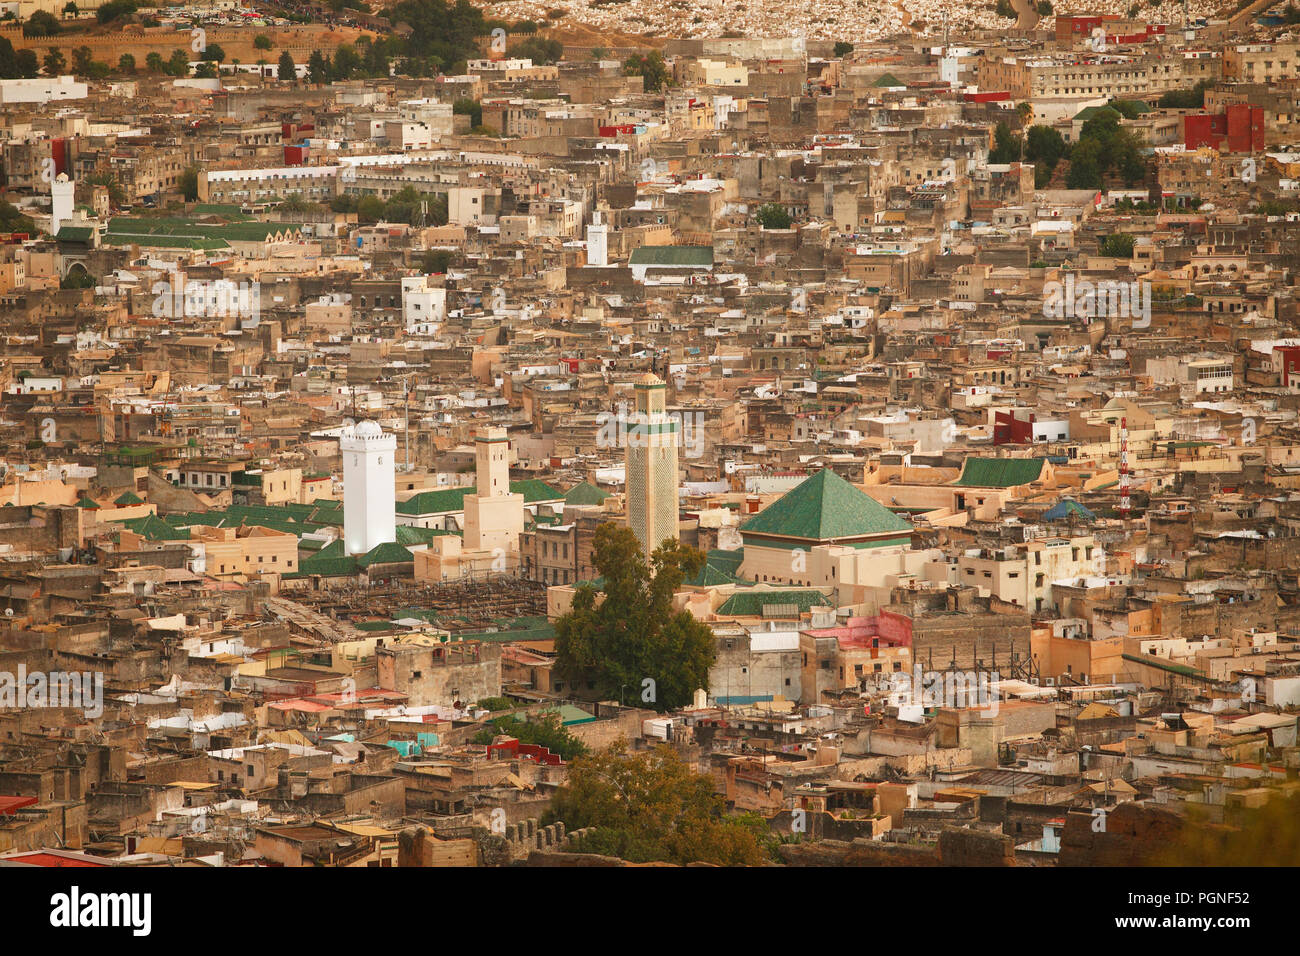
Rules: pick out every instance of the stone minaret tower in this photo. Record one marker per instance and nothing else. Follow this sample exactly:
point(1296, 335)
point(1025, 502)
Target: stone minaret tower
point(652, 449)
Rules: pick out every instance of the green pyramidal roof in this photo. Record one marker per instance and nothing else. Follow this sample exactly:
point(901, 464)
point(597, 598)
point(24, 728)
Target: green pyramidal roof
point(584, 493)
point(825, 507)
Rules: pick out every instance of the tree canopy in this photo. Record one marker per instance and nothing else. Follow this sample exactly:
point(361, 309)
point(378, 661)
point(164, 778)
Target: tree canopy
point(772, 216)
point(1118, 246)
point(650, 67)
point(651, 807)
point(633, 645)
point(546, 731)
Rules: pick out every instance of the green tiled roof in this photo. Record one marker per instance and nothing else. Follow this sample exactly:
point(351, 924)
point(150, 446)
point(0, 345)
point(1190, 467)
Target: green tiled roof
point(887, 79)
point(672, 256)
point(751, 603)
point(292, 519)
point(74, 234)
point(408, 535)
point(999, 472)
point(180, 228)
point(448, 500)
point(332, 550)
point(328, 567)
point(388, 553)
point(86, 503)
point(129, 498)
point(728, 561)
point(710, 577)
point(153, 528)
point(825, 507)
point(584, 493)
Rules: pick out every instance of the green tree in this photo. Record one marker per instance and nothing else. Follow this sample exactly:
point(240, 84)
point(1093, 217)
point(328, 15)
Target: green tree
point(213, 53)
point(1044, 147)
point(126, 63)
point(1003, 8)
point(1007, 146)
point(317, 71)
point(843, 48)
point(442, 32)
point(28, 65)
point(650, 67)
point(370, 209)
point(188, 183)
point(178, 64)
point(545, 731)
point(772, 216)
point(54, 63)
point(262, 42)
point(41, 24)
point(153, 62)
point(1117, 246)
point(115, 10)
point(9, 64)
point(437, 262)
point(287, 69)
point(540, 50)
point(633, 635)
point(651, 807)
point(1044, 8)
point(1085, 166)
point(81, 60)
point(464, 106)
point(1193, 99)
point(70, 9)
point(13, 220)
point(346, 62)
point(116, 194)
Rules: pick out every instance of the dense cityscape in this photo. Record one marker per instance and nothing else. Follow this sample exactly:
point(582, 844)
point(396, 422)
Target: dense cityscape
point(613, 433)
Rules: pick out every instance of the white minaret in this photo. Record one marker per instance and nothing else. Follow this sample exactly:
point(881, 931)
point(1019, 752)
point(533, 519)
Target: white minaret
point(597, 241)
point(62, 194)
point(369, 488)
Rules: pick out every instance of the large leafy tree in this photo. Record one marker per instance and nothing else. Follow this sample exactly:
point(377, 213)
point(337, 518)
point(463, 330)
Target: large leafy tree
point(773, 216)
point(1006, 145)
point(634, 634)
point(650, 67)
point(41, 24)
point(651, 807)
point(442, 33)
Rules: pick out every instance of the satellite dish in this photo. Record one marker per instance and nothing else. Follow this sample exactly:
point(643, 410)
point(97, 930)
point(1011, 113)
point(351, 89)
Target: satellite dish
point(9, 612)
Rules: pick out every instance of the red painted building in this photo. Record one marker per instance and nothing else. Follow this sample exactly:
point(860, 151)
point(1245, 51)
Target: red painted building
point(1011, 429)
point(1290, 355)
point(1239, 129)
